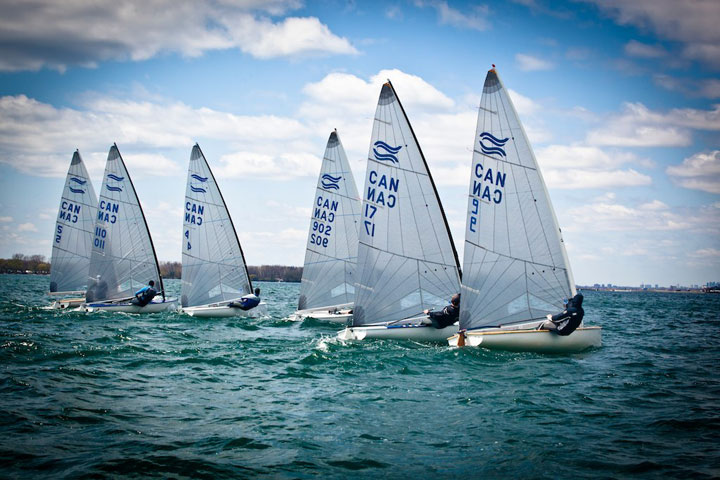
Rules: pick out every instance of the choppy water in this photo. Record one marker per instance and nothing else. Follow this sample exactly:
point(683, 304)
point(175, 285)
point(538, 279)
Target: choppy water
point(173, 396)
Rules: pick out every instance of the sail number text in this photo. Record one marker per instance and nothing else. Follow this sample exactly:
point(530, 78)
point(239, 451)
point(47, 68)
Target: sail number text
point(323, 218)
point(486, 187)
point(379, 193)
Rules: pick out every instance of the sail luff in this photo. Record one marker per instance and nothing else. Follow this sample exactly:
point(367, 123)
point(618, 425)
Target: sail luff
point(432, 182)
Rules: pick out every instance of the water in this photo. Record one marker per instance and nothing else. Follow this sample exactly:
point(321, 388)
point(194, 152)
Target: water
point(173, 396)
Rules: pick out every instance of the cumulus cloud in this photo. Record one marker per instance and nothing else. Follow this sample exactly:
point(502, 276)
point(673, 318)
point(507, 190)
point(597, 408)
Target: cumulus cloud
point(27, 227)
point(582, 167)
point(698, 172)
point(528, 63)
point(46, 33)
point(474, 18)
point(693, 23)
point(638, 126)
point(692, 87)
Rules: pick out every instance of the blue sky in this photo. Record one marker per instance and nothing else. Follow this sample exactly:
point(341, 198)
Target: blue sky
point(621, 101)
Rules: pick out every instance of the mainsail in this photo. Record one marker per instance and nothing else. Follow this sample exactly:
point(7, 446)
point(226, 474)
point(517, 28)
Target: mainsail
point(331, 253)
point(406, 257)
point(123, 257)
point(515, 265)
point(213, 265)
point(73, 238)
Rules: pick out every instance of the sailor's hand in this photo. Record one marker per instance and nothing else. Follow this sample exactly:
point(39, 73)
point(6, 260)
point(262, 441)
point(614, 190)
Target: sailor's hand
point(548, 316)
point(426, 311)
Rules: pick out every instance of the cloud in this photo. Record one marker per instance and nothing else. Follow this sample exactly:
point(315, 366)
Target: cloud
point(528, 63)
point(583, 167)
point(475, 18)
point(710, 253)
point(704, 88)
point(692, 23)
point(47, 34)
point(6, 219)
point(38, 138)
point(698, 172)
point(638, 126)
point(641, 50)
point(27, 227)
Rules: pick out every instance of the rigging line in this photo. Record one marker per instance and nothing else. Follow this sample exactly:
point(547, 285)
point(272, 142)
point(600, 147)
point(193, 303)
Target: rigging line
point(505, 162)
point(403, 256)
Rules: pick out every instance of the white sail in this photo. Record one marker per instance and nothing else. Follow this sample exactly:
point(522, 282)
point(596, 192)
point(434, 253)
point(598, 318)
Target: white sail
point(123, 257)
point(213, 265)
point(331, 253)
point(406, 257)
point(72, 242)
point(515, 267)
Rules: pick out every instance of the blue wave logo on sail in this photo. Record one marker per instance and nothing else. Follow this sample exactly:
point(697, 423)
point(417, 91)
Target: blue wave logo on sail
point(114, 189)
point(492, 140)
point(329, 182)
point(112, 176)
point(199, 178)
point(76, 190)
point(77, 180)
point(197, 189)
point(389, 154)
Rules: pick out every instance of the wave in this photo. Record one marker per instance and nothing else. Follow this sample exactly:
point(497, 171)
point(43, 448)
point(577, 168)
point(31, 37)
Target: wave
point(112, 176)
point(492, 150)
point(493, 139)
point(114, 189)
point(76, 190)
point(197, 189)
point(77, 180)
point(390, 156)
point(199, 178)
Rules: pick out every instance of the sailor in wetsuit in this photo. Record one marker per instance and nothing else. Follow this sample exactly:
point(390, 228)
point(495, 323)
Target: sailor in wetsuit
point(568, 320)
point(144, 295)
point(248, 301)
point(445, 317)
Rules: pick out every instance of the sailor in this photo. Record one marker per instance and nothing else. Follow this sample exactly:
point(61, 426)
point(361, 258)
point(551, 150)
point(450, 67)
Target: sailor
point(568, 320)
point(248, 301)
point(144, 295)
point(445, 317)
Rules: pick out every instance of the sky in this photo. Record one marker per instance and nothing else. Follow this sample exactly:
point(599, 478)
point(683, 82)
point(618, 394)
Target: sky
point(620, 100)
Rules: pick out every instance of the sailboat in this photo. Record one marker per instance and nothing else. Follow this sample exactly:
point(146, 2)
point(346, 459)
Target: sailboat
point(515, 267)
point(123, 257)
point(326, 289)
point(72, 241)
point(407, 261)
point(214, 273)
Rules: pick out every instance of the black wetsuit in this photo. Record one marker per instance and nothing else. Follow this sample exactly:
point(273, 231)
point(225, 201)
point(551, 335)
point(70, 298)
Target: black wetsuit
point(569, 319)
point(144, 296)
point(445, 317)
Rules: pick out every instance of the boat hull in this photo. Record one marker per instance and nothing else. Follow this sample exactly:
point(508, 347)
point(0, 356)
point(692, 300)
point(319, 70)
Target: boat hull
point(127, 307)
point(335, 314)
point(418, 333)
point(539, 341)
point(222, 310)
point(64, 303)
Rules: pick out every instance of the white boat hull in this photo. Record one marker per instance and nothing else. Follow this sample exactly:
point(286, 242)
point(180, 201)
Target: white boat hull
point(418, 333)
point(539, 341)
point(127, 307)
point(64, 303)
point(336, 314)
point(222, 310)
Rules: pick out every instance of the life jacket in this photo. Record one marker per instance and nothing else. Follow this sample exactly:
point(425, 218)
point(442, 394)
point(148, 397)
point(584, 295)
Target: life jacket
point(247, 302)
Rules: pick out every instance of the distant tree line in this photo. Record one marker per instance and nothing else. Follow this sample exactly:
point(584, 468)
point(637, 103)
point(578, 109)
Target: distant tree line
point(263, 273)
point(20, 263)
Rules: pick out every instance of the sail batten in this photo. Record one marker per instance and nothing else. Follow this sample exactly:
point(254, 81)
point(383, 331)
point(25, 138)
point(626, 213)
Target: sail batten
point(515, 264)
point(123, 256)
point(72, 239)
point(213, 263)
point(407, 261)
point(331, 252)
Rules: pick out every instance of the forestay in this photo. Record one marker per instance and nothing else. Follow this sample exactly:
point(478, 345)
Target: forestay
point(123, 257)
point(406, 258)
point(515, 266)
point(331, 253)
point(213, 265)
point(72, 242)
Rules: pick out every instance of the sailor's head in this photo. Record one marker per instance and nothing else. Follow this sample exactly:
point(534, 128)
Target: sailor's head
point(151, 283)
point(455, 300)
point(257, 292)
